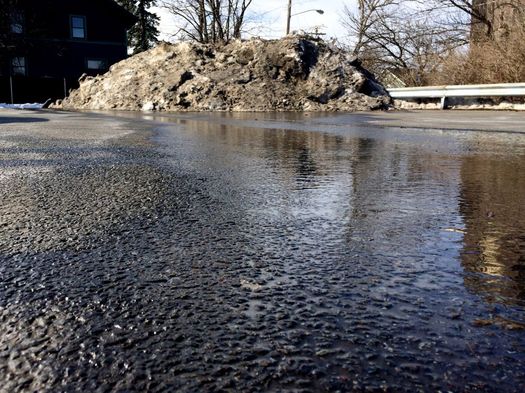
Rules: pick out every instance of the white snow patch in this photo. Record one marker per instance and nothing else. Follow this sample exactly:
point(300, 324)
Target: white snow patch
point(148, 106)
point(21, 106)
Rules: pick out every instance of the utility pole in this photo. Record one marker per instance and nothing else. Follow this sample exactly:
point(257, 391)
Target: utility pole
point(11, 89)
point(289, 17)
point(299, 13)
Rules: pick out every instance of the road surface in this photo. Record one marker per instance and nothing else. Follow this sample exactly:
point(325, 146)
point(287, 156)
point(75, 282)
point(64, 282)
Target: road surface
point(262, 252)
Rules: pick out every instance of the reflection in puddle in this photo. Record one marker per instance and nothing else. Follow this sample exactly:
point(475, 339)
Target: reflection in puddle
point(393, 194)
point(492, 195)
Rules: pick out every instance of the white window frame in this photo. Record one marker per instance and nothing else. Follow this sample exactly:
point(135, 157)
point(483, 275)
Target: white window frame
point(102, 62)
point(19, 66)
point(73, 28)
point(17, 22)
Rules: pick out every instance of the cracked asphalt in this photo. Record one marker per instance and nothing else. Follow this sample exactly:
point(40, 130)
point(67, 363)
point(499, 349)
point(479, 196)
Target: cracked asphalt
point(260, 252)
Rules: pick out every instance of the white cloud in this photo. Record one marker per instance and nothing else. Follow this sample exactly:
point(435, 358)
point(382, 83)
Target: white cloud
point(267, 18)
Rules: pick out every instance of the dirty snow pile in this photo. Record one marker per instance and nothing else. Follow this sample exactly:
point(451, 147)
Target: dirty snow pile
point(293, 73)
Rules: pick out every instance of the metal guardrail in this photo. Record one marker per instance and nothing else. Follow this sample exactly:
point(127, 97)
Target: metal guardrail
point(444, 92)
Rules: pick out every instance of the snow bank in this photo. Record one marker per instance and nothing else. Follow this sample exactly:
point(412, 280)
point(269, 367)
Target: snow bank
point(21, 106)
point(296, 73)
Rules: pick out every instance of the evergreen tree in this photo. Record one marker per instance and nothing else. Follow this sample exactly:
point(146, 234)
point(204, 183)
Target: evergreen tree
point(144, 34)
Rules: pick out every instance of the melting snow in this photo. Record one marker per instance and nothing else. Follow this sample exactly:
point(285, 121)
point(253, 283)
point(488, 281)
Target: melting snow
point(21, 106)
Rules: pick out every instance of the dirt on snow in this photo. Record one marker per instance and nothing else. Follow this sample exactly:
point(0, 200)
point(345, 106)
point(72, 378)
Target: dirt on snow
point(295, 73)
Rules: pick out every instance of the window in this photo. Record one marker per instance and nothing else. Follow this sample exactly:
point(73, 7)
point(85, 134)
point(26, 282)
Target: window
point(96, 64)
point(18, 66)
point(78, 27)
point(17, 22)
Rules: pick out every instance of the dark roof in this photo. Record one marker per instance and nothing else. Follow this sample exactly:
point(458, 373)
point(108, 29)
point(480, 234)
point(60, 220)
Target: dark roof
point(126, 16)
point(110, 5)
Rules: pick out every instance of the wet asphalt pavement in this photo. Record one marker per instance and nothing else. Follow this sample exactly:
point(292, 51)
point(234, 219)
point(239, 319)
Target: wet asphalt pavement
point(265, 252)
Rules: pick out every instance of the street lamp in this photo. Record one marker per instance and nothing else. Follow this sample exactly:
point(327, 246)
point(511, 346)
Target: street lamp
point(312, 10)
point(321, 12)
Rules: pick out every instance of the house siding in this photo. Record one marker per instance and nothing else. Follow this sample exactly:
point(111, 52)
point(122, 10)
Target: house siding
point(53, 56)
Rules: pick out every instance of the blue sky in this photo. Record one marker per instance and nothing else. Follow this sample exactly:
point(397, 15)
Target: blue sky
point(270, 17)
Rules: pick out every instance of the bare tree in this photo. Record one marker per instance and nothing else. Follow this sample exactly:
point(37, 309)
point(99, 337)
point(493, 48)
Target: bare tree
point(424, 41)
point(482, 18)
point(209, 21)
point(463, 15)
point(393, 36)
point(362, 23)
point(496, 51)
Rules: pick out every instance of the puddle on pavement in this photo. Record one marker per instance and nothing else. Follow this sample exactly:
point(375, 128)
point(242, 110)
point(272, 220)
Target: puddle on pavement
point(398, 193)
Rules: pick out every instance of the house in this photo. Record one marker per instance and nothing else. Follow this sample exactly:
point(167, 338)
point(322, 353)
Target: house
point(48, 44)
